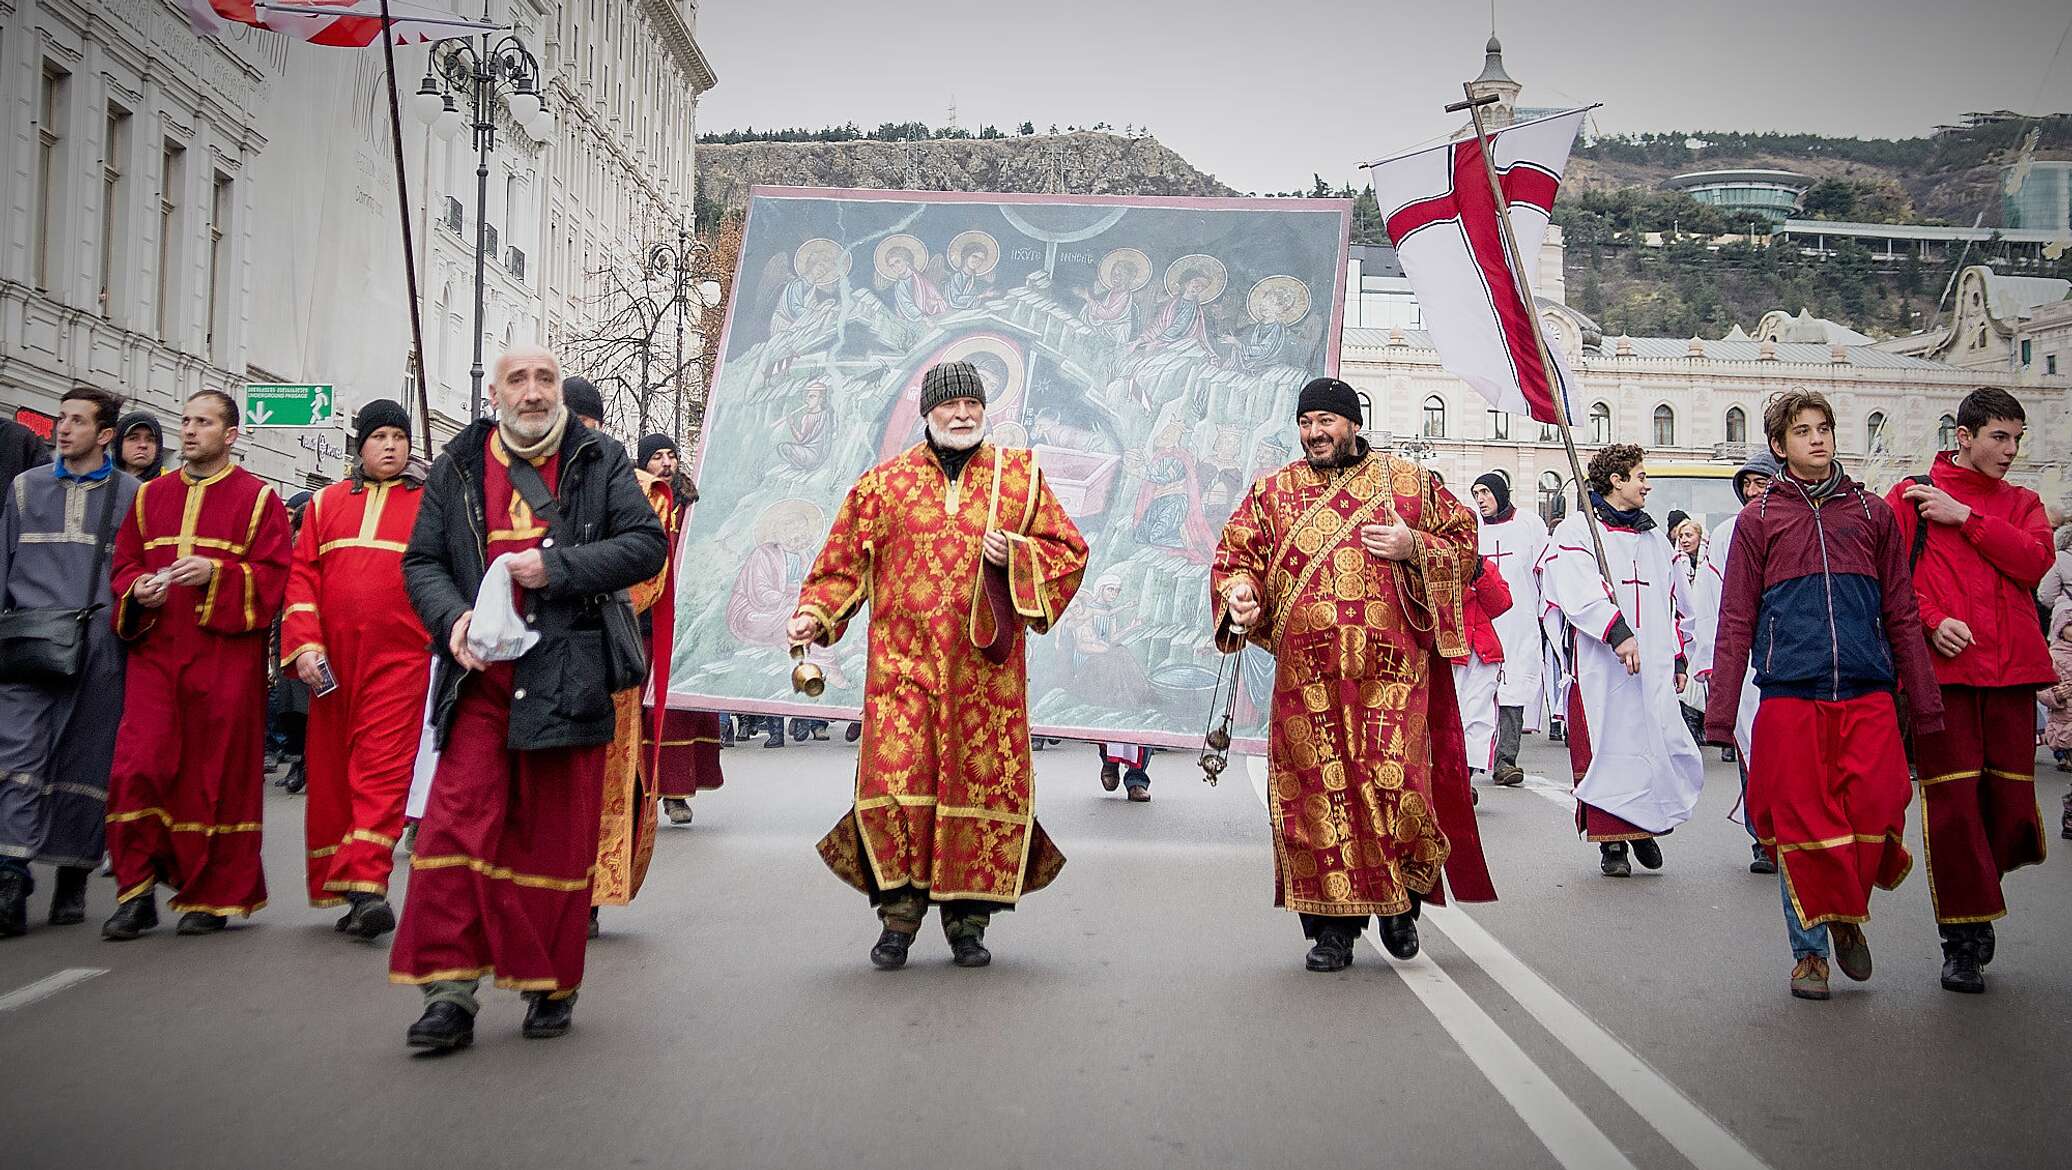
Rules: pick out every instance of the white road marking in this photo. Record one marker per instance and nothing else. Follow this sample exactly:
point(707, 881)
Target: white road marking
point(1551, 1114)
point(1682, 1122)
point(46, 987)
point(1541, 786)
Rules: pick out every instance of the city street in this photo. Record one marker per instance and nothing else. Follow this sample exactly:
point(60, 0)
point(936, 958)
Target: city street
point(1148, 1010)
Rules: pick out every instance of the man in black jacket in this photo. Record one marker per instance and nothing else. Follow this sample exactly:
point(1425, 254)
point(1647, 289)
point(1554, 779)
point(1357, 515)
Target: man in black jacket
point(500, 881)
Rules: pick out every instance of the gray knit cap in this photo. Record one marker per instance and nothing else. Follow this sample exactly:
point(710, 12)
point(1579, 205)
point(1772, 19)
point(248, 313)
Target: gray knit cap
point(949, 381)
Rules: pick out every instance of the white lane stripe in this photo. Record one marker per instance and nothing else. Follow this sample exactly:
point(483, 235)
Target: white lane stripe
point(1551, 1114)
point(44, 988)
point(1541, 786)
point(1682, 1122)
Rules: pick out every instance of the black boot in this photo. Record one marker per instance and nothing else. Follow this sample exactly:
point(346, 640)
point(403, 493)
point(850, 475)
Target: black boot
point(1611, 858)
point(1960, 970)
point(1648, 852)
point(547, 1017)
point(969, 950)
point(15, 885)
point(1759, 859)
point(1399, 934)
point(371, 916)
point(68, 900)
point(443, 1027)
point(890, 953)
point(201, 922)
point(1333, 951)
point(131, 918)
point(1985, 945)
point(596, 925)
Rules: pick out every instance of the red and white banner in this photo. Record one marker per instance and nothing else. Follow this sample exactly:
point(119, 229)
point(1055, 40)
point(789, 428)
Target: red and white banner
point(345, 24)
point(1441, 215)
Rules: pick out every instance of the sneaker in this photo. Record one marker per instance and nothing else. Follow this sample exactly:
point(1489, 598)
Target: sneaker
point(1852, 950)
point(1961, 970)
point(677, 809)
point(1611, 859)
point(1508, 776)
point(1648, 852)
point(1809, 978)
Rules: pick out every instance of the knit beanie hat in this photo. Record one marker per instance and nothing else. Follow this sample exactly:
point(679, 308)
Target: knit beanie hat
point(1332, 395)
point(949, 381)
point(374, 415)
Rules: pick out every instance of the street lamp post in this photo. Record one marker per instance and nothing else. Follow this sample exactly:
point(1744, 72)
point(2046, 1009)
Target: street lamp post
point(685, 266)
point(460, 65)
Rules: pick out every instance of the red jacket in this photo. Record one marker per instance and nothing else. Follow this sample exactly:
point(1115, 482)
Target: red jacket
point(1486, 597)
point(1983, 573)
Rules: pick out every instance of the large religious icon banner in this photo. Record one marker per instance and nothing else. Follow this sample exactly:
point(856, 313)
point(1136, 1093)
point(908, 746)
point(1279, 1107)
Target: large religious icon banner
point(1148, 350)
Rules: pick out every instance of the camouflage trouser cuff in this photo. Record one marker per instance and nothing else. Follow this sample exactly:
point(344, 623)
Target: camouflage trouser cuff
point(459, 992)
point(903, 912)
point(961, 926)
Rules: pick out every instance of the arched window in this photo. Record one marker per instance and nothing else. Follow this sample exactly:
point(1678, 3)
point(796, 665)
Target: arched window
point(1874, 432)
point(1366, 408)
point(1434, 417)
point(1665, 426)
point(1600, 423)
point(1946, 434)
point(1737, 425)
point(1550, 495)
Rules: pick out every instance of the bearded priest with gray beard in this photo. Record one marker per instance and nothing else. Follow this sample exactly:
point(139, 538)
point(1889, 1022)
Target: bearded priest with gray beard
point(962, 551)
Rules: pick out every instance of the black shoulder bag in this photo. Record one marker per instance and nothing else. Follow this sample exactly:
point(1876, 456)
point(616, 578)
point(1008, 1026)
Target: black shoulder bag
point(48, 644)
point(625, 651)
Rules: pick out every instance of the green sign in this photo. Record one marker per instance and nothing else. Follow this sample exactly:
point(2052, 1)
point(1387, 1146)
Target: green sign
point(275, 405)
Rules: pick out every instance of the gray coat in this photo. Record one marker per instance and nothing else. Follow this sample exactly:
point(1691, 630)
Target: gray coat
point(615, 542)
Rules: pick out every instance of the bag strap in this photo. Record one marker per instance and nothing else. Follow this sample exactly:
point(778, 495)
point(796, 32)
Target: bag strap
point(102, 539)
point(526, 478)
point(1920, 530)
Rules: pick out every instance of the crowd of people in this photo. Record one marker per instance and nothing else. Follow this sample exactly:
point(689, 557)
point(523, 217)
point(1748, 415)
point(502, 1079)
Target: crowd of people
point(1841, 645)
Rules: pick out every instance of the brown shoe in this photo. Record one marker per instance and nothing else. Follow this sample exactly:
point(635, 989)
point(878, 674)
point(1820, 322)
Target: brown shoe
point(1809, 978)
point(1852, 950)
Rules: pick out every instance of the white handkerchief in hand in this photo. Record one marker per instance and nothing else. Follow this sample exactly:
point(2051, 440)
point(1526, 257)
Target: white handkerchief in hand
point(496, 633)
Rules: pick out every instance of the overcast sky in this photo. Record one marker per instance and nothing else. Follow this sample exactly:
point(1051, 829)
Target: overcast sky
point(1262, 94)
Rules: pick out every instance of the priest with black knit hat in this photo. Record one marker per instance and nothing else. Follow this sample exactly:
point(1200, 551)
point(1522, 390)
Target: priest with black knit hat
point(1513, 540)
point(583, 401)
point(1349, 566)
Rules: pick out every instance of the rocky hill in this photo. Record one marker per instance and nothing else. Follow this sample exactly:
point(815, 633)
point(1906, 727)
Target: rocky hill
point(1085, 163)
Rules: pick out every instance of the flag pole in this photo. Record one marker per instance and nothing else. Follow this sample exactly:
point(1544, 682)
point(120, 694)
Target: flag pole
point(1473, 105)
point(424, 402)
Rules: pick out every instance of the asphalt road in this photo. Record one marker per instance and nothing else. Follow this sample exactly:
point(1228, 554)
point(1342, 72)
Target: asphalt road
point(1148, 1010)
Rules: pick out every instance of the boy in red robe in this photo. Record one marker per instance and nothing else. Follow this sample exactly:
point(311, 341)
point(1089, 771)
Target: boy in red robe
point(200, 565)
point(1980, 545)
point(346, 628)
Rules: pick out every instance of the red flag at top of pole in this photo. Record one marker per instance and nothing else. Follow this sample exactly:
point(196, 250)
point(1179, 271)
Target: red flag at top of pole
point(1442, 217)
point(345, 24)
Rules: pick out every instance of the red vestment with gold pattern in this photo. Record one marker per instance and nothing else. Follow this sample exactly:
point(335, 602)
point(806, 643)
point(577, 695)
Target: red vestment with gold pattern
point(682, 746)
point(1367, 778)
point(185, 792)
point(944, 789)
point(626, 825)
point(346, 602)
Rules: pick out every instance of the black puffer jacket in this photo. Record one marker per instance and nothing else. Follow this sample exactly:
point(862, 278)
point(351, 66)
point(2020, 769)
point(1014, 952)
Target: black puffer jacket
point(618, 543)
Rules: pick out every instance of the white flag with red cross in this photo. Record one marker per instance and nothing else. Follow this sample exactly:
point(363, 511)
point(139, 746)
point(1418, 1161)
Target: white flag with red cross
point(1442, 216)
point(345, 24)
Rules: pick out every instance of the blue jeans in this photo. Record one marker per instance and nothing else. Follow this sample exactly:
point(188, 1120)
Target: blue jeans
point(1804, 942)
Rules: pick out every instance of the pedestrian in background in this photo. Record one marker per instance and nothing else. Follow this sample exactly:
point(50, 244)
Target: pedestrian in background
point(20, 450)
point(2057, 729)
point(201, 564)
point(140, 445)
point(57, 733)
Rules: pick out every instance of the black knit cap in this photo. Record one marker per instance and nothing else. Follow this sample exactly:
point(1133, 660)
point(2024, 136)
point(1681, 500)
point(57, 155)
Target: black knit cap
point(949, 381)
point(1332, 395)
point(581, 398)
point(376, 414)
point(652, 444)
point(1497, 487)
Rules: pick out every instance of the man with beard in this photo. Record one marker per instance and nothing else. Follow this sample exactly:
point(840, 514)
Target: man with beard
point(201, 565)
point(1513, 540)
point(682, 747)
point(1637, 770)
point(57, 735)
point(500, 880)
point(1349, 567)
point(362, 656)
point(959, 546)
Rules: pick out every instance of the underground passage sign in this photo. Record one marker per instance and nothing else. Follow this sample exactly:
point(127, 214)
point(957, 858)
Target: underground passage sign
point(1148, 350)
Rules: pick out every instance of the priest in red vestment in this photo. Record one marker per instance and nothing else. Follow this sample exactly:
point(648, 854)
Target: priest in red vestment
point(346, 628)
point(200, 565)
point(960, 547)
point(682, 747)
point(1349, 566)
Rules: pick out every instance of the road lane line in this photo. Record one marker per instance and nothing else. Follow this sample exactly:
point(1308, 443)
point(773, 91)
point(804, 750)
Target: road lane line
point(1552, 1116)
point(46, 987)
point(1681, 1121)
point(1541, 786)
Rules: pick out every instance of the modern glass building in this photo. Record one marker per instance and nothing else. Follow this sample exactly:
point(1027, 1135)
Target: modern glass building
point(1774, 195)
point(2043, 201)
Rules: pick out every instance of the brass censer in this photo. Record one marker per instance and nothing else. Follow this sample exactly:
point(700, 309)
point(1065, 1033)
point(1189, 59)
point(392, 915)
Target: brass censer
point(1215, 756)
point(806, 678)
